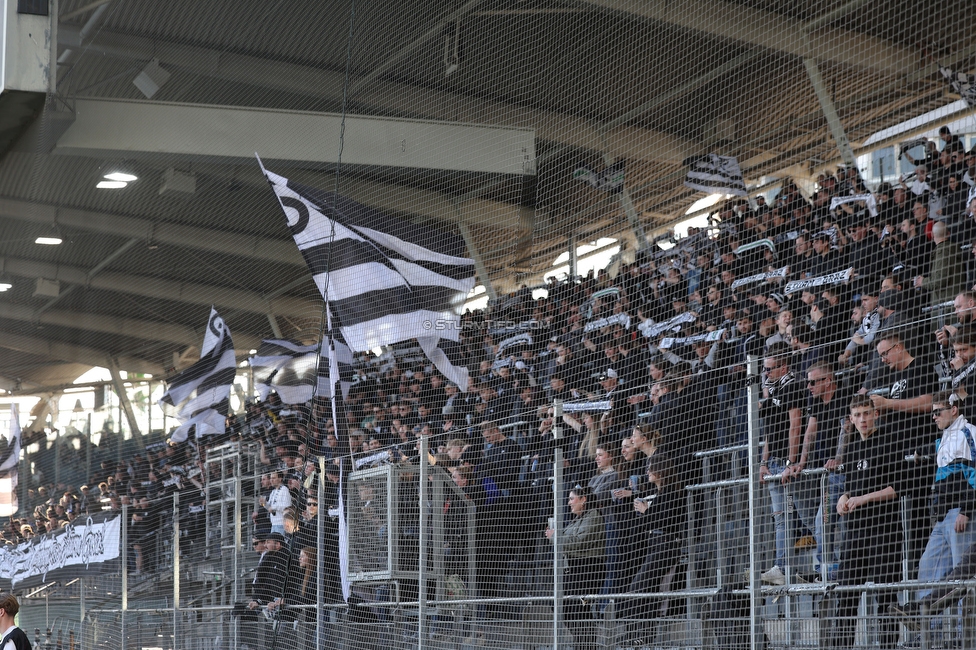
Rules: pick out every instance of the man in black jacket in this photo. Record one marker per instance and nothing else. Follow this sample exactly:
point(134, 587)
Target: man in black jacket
point(269, 576)
point(870, 506)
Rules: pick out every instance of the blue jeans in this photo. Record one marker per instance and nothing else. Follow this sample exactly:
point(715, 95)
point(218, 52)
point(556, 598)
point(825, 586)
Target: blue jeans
point(944, 549)
point(806, 499)
point(777, 498)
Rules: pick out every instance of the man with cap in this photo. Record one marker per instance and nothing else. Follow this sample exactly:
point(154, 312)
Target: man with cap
point(782, 418)
point(826, 259)
point(831, 322)
point(453, 407)
point(609, 382)
point(259, 591)
point(498, 472)
point(269, 575)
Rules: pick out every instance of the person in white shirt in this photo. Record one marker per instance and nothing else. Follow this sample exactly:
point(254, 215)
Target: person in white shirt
point(954, 491)
point(276, 503)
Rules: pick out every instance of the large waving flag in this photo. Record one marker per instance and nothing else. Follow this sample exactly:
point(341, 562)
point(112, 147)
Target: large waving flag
point(199, 397)
point(961, 83)
point(715, 174)
point(385, 279)
point(9, 464)
point(294, 371)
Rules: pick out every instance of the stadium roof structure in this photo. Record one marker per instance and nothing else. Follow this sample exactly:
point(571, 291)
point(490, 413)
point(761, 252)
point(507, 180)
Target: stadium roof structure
point(490, 106)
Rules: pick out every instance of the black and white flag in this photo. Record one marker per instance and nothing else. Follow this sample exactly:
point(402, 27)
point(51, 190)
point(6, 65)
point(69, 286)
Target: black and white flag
point(715, 174)
point(385, 279)
point(610, 180)
point(868, 200)
point(199, 396)
point(962, 84)
point(9, 466)
point(908, 145)
point(295, 372)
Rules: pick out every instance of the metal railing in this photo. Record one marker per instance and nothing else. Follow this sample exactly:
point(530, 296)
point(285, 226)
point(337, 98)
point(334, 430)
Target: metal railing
point(190, 596)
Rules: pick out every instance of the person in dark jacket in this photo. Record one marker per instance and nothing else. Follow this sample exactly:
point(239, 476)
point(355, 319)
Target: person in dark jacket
point(299, 589)
point(662, 518)
point(269, 579)
point(584, 545)
point(870, 506)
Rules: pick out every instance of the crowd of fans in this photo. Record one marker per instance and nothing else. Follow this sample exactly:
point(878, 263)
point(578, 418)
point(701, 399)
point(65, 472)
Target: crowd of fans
point(866, 363)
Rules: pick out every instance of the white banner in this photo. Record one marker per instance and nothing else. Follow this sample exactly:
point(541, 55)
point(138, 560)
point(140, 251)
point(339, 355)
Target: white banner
point(669, 342)
point(867, 199)
point(832, 278)
point(761, 277)
point(76, 545)
point(617, 319)
point(650, 329)
point(578, 407)
point(523, 338)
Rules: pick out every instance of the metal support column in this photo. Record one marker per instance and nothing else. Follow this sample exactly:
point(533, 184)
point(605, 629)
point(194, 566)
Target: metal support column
point(755, 488)
point(125, 571)
point(557, 521)
point(273, 322)
point(126, 405)
point(479, 263)
point(572, 257)
point(830, 112)
point(238, 536)
point(320, 558)
point(422, 550)
point(176, 570)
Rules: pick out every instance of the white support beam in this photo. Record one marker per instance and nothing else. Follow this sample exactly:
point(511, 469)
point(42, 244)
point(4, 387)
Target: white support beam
point(737, 22)
point(830, 112)
point(130, 415)
point(150, 287)
point(479, 263)
point(396, 98)
point(131, 327)
point(107, 128)
point(75, 353)
point(384, 196)
point(206, 239)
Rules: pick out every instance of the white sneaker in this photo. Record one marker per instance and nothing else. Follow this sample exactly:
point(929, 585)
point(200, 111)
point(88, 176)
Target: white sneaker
point(774, 576)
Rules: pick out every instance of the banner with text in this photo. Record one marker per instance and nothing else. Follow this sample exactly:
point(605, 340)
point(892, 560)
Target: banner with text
point(74, 551)
point(823, 280)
